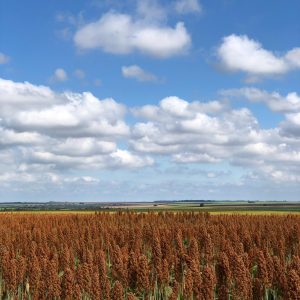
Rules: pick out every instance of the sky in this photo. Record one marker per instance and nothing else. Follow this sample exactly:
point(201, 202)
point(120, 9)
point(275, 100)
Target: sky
point(149, 100)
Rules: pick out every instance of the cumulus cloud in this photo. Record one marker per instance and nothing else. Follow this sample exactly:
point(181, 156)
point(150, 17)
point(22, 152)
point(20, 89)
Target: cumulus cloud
point(291, 125)
point(275, 101)
point(25, 96)
point(138, 73)
point(80, 115)
point(293, 57)
point(178, 107)
point(121, 34)
point(126, 159)
point(55, 131)
point(116, 159)
point(194, 158)
point(82, 147)
point(47, 178)
point(177, 126)
point(9, 137)
point(54, 135)
point(4, 58)
point(59, 75)
point(188, 6)
point(239, 53)
point(151, 11)
point(195, 132)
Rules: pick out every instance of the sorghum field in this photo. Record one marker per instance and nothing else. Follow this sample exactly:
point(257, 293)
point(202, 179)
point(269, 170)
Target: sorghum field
point(163, 255)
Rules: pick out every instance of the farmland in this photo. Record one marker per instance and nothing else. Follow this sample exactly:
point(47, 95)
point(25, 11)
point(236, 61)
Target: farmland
point(151, 255)
point(210, 206)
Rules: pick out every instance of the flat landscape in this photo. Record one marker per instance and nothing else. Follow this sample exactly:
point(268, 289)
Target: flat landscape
point(149, 150)
point(162, 255)
point(162, 250)
point(213, 207)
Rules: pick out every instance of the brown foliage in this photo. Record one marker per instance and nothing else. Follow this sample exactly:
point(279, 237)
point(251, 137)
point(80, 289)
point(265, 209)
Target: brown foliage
point(130, 255)
point(117, 291)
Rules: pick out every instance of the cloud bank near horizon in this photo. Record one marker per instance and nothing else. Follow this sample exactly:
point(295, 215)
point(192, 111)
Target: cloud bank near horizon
point(63, 134)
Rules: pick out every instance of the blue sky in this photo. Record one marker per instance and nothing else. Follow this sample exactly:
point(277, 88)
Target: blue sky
point(148, 100)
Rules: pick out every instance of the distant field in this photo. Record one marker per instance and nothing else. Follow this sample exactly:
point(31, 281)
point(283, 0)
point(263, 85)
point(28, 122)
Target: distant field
point(221, 207)
point(253, 212)
point(213, 207)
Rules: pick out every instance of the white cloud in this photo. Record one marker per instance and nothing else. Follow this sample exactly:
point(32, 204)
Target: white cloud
point(176, 107)
point(186, 133)
point(194, 158)
point(179, 128)
point(11, 177)
point(59, 75)
point(275, 101)
point(293, 58)
point(10, 137)
point(83, 147)
point(240, 53)
point(21, 177)
point(64, 139)
point(151, 11)
point(25, 96)
point(62, 130)
point(115, 159)
point(188, 6)
point(4, 58)
point(120, 34)
point(138, 73)
point(126, 159)
point(291, 125)
point(80, 115)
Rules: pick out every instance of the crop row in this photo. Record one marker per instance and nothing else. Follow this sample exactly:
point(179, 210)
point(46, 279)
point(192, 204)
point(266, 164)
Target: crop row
point(149, 256)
